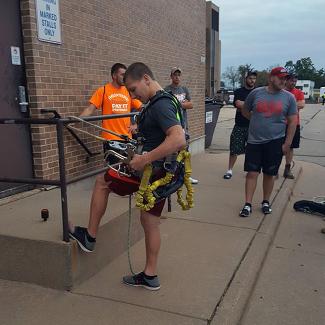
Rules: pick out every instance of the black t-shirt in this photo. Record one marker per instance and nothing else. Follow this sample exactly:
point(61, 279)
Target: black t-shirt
point(241, 94)
point(156, 120)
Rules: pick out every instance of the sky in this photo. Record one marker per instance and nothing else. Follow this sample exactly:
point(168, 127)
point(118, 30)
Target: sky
point(267, 33)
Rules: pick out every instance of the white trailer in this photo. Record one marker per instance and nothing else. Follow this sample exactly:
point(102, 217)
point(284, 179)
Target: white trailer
point(307, 86)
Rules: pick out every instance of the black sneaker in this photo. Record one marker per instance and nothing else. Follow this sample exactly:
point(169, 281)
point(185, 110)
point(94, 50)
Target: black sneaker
point(141, 280)
point(246, 211)
point(227, 175)
point(80, 235)
point(266, 209)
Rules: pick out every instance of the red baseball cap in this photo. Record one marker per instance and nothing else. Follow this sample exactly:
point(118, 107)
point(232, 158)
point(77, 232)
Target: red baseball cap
point(279, 72)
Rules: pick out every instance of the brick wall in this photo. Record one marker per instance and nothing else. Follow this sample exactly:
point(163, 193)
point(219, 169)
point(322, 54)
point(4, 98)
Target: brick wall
point(95, 35)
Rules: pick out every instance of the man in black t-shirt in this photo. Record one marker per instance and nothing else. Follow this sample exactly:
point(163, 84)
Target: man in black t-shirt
point(239, 134)
point(160, 125)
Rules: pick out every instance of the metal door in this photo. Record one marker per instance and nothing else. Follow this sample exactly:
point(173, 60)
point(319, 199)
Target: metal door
point(15, 140)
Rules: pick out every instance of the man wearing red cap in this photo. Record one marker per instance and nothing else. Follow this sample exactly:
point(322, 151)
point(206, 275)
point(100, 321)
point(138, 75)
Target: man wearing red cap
point(268, 109)
point(300, 99)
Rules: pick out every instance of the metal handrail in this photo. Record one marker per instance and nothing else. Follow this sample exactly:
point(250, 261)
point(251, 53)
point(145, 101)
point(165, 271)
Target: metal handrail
point(65, 120)
point(62, 182)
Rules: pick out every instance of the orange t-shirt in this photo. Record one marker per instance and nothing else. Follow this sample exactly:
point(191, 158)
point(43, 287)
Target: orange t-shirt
point(115, 101)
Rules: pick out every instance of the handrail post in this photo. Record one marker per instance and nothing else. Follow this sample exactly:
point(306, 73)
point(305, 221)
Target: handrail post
point(63, 180)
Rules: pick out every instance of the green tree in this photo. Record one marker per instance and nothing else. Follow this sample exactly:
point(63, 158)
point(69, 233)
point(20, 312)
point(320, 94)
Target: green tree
point(290, 67)
point(242, 70)
point(262, 78)
point(231, 74)
point(320, 78)
point(305, 69)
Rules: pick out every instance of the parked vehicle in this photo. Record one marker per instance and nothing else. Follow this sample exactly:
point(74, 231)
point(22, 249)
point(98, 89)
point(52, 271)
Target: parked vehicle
point(226, 96)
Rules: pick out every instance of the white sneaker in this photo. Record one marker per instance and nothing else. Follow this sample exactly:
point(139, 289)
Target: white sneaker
point(194, 181)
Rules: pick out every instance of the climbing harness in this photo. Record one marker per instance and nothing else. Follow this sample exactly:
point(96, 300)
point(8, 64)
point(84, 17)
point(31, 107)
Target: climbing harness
point(177, 167)
point(163, 187)
point(124, 181)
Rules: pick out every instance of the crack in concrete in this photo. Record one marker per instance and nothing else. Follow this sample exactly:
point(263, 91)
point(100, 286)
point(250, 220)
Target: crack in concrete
point(136, 305)
point(309, 120)
point(211, 223)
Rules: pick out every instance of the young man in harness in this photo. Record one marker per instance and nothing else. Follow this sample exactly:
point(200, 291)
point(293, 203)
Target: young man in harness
point(163, 135)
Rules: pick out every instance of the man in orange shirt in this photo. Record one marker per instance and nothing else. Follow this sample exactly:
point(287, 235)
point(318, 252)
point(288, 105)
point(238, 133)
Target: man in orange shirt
point(113, 98)
point(300, 99)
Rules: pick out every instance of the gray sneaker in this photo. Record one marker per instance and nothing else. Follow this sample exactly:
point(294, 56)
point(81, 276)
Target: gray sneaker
point(140, 280)
point(80, 235)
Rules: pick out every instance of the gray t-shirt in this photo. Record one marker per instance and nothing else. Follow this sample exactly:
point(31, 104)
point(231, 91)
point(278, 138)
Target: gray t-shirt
point(269, 112)
point(155, 120)
point(181, 93)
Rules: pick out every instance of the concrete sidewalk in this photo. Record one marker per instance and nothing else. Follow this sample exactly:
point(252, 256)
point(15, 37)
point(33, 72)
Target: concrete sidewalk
point(202, 252)
point(214, 267)
point(290, 288)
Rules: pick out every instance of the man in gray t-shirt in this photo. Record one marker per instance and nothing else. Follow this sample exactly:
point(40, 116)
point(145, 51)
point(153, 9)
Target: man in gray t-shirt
point(180, 92)
point(269, 113)
point(183, 95)
point(268, 108)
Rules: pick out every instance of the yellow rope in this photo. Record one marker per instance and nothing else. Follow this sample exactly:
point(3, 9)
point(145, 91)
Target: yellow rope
point(189, 203)
point(140, 196)
point(145, 192)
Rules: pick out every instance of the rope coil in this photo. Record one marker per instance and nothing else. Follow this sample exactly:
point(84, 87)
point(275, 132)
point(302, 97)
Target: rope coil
point(145, 192)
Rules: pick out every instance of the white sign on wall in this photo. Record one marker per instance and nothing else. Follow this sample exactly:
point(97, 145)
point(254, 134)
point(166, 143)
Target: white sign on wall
point(48, 21)
point(15, 55)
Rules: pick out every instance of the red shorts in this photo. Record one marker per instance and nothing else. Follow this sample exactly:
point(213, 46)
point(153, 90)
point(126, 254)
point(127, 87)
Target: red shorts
point(126, 186)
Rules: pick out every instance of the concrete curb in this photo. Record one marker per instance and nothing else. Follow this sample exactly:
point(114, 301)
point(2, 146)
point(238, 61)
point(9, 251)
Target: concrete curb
point(232, 305)
point(60, 265)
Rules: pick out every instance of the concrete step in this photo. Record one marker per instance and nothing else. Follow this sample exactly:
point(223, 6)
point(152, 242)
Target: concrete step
point(33, 250)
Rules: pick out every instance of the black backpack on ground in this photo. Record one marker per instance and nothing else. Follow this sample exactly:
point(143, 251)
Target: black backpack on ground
point(310, 207)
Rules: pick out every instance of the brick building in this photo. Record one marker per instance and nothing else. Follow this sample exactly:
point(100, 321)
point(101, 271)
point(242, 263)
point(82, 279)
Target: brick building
point(63, 75)
point(213, 50)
